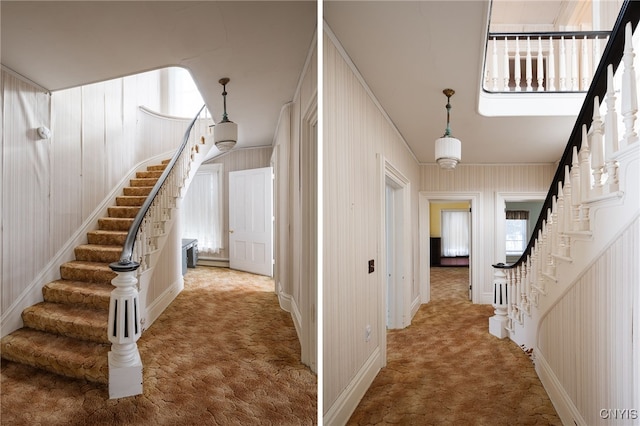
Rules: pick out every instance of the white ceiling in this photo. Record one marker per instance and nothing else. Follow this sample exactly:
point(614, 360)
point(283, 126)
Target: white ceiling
point(408, 52)
point(261, 46)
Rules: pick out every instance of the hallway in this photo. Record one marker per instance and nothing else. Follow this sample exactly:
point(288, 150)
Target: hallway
point(446, 369)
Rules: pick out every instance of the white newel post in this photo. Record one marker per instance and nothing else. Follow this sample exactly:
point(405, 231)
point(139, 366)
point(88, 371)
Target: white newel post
point(498, 322)
point(125, 365)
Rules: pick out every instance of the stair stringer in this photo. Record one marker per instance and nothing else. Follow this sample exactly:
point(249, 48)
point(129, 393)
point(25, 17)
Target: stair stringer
point(11, 319)
point(148, 279)
point(609, 217)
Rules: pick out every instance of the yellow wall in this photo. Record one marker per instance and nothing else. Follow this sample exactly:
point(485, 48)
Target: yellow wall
point(435, 213)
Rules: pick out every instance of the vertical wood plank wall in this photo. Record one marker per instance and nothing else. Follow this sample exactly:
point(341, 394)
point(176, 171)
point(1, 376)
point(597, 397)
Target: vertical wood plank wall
point(49, 187)
point(587, 338)
point(356, 134)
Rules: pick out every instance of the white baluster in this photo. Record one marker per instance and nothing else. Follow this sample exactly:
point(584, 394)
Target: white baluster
point(528, 70)
point(505, 66)
point(611, 135)
point(540, 67)
point(597, 148)
point(544, 254)
point(584, 66)
point(563, 65)
point(551, 81)
point(548, 242)
point(629, 93)
point(562, 242)
point(517, 73)
point(574, 65)
point(585, 180)
point(555, 235)
point(575, 191)
point(494, 66)
point(585, 167)
point(568, 210)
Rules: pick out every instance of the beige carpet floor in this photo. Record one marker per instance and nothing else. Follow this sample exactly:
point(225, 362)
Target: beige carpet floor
point(446, 369)
point(223, 353)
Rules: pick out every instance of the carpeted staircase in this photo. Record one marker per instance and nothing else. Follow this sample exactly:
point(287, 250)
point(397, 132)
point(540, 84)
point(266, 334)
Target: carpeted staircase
point(67, 333)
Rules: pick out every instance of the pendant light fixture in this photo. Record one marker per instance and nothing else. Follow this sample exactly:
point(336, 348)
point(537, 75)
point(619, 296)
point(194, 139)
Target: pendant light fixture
point(225, 133)
point(448, 148)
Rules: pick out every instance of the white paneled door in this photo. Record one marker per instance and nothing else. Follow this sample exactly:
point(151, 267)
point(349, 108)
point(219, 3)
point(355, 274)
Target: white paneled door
point(251, 221)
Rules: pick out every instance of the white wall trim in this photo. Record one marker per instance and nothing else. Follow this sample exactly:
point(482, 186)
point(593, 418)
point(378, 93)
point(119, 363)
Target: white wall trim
point(567, 411)
point(11, 319)
point(476, 259)
point(162, 302)
point(348, 400)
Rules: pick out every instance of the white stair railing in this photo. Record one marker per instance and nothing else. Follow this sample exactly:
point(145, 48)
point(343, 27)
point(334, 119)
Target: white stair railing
point(591, 181)
point(515, 57)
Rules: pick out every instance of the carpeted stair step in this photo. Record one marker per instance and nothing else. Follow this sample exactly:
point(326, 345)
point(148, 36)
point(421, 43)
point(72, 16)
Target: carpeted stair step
point(114, 223)
point(74, 321)
point(98, 253)
point(137, 190)
point(150, 174)
point(58, 354)
point(93, 272)
point(91, 295)
point(157, 168)
point(142, 182)
point(130, 200)
point(123, 211)
point(107, 238)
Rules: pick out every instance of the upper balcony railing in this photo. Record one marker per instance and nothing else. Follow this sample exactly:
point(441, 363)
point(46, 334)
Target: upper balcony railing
point(542, 61)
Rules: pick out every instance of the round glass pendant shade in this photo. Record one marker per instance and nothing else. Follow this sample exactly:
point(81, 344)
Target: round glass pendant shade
point(448, 152)
point(225, 135)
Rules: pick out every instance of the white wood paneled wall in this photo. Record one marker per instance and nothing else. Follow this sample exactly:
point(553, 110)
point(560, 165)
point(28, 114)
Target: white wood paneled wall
point(488, 180)
point(26, 183)
point(50, 187)
point(587, 338)
point(357, 133)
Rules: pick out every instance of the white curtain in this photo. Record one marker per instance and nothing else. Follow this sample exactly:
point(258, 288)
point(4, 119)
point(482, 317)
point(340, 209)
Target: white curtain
point(455, 233)
point(202, 209)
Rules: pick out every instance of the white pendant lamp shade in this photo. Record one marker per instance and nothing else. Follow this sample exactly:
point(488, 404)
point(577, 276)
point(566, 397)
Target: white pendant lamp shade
point(448, 148)
point(225, 133)
point(448, 152)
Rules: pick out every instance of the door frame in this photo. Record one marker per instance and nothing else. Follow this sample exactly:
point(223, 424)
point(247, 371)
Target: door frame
point(476, 256)
point(309, 203)
point(390, 175)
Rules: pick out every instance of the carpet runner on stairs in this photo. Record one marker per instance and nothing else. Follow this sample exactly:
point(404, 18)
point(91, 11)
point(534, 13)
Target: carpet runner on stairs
point(67, 332)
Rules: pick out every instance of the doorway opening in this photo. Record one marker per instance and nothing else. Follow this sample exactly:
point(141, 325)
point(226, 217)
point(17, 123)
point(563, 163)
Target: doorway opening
point(460, 249)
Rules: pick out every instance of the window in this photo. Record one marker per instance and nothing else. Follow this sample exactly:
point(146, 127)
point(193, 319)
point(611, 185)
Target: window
point(455, 233)
point(516, 231)
point(202, 209)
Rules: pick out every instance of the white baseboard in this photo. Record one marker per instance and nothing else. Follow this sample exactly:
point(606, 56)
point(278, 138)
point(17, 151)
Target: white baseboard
point(158, 306)
point(567, 411)
point(284, 299)
point(219, 263)
point(346, 403)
